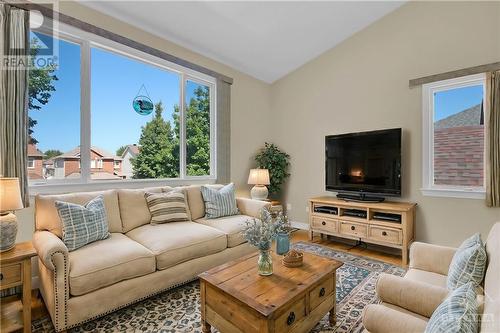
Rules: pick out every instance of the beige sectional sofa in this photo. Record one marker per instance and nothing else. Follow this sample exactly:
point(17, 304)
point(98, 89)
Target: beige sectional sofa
point(408, 303)
point(138, 260)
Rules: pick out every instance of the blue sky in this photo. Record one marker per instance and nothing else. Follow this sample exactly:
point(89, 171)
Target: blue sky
point(453, 101)
point(115, 81)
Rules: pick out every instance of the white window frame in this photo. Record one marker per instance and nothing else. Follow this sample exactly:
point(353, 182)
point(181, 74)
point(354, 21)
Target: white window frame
point(428, 186)
point(31, 160)
point(87, 41)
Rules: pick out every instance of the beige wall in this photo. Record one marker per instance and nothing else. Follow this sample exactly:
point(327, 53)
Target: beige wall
point(250, 101)
point(362, 84)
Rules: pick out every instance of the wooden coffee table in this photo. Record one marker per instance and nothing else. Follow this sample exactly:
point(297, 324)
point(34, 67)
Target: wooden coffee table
point(235, 298)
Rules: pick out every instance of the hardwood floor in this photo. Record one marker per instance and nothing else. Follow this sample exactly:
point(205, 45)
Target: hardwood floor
point(372, 251)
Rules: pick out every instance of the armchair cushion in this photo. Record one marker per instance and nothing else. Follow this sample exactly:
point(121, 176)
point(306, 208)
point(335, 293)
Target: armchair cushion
point(431, 258)
point(468, 263)
point(415, 296)
point(384, 318)
point(431, 278)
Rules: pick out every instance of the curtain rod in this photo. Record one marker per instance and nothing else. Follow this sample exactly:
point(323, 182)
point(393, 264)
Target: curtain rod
point(454, 74)
point(87, 27)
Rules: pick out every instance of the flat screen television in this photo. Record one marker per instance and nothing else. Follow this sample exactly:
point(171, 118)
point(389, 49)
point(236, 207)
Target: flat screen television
point(364, 166)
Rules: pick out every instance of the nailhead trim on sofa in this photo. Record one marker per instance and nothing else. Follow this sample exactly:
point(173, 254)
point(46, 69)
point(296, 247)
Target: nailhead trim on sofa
point(55, 293)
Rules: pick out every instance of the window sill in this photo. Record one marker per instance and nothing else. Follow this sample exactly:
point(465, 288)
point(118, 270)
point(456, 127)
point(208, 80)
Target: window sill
point(115, 184)
point(454, 193)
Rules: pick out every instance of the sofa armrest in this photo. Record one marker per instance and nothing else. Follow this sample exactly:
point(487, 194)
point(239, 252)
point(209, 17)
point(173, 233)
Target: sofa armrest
point(251, 207)
point(415, 296)
point(378, 318)
point(47, 245)
point(431, 258)
point(53, 272)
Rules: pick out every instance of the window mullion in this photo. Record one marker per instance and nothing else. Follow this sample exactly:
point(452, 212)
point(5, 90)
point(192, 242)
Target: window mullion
point(85, 116)
point(182, 129)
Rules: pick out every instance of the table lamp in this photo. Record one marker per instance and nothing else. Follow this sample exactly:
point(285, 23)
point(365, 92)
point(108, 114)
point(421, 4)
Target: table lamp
point(259, 178)
point(10, 200)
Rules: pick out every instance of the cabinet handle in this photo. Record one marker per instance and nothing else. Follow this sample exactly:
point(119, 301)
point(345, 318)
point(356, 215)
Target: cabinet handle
point(384, 233)
point(322, 292)
point(323, 223)
point(290, 319)
point(1, 276)
point(353, 227)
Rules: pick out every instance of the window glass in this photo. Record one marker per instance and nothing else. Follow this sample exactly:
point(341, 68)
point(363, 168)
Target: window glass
point(54, 113)
point(459, 136)
point(127, 143)
point(197, 129)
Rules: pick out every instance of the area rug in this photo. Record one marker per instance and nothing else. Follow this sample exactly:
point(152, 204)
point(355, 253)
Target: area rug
point(177, 310)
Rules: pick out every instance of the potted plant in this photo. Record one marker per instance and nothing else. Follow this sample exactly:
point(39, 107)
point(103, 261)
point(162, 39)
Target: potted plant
point(277, 162)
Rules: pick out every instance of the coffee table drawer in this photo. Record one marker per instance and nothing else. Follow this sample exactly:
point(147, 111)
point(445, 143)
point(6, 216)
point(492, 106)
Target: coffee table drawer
point(353, 229)
point(10, 275)
point(325, 224)
point(286, 321)
point(320, 293)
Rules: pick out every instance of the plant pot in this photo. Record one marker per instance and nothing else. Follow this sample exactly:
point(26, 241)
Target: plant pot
point(265, 262)
point(282, 243)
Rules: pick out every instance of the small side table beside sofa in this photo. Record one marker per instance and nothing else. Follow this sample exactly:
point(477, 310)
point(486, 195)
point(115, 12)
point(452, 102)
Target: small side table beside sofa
point(15, 270)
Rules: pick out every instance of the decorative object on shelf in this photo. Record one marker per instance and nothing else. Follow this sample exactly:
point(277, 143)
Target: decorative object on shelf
point(10, 200)
point(259, 178)
point(293, 258)
point(261, 233)
point(283, 233)
point(142, 103)
point(277, 162)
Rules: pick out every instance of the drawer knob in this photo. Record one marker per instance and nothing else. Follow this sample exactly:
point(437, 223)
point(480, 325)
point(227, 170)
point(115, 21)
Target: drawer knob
point(290, 319)
point(323, 223)
point(353, 227)
point(384, 233)
point(1, 276)
point(322, 292)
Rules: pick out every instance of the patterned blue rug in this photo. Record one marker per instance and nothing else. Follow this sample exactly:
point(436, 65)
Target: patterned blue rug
point(177, 310)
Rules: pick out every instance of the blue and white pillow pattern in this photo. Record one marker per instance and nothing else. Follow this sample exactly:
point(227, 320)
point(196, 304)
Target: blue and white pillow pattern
point(82, 225)
point(468, 263)
point(458, 313)
point(220, 202)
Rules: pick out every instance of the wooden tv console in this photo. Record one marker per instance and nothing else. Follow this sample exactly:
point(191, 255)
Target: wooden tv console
point(386, 223)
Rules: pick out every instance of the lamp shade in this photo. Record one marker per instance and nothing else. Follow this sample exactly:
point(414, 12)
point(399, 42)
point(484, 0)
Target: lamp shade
point(258, 177)
point(10, 194)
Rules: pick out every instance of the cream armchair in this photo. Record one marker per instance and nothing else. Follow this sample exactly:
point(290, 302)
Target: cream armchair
point(408, 302)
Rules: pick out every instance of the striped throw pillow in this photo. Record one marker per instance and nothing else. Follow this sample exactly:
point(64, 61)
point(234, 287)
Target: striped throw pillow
point(219, 203)
point(167, 207)
point(82, 225)
point(457, 314)
point(468, 263)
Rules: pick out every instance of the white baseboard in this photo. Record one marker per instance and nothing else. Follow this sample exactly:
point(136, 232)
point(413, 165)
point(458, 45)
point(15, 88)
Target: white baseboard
point(299, 225)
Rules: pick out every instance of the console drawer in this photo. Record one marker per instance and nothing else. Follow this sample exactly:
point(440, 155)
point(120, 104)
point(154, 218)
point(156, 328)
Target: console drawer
point(388, 235)
point(10, 275)
point(287, 320)
point(325, 224)
point(353, 229)
point(321, 293)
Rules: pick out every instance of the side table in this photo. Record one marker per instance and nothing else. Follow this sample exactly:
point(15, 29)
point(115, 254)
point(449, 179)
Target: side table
point(15, 270)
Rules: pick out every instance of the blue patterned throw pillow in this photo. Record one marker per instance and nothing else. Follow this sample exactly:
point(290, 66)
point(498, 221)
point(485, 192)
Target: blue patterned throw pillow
point(468, 263)
point(220, 202)
point(82, 225)
point(457, 314)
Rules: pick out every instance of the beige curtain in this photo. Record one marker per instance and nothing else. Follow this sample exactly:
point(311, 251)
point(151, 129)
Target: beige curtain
point(493, 140)
point(223, 132)
point(14, 48)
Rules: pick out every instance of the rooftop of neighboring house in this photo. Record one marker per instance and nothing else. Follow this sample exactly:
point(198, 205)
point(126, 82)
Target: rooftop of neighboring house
point(133, 149)
point(75, 153)
point(472, 116)
point(33, 151)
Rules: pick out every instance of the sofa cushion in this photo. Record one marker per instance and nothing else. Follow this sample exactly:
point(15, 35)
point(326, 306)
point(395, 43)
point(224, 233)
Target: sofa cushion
point(106, 262)
point(468, 263)
point(47, 218)
point(219, 202)
point(167, 207)
point(83, 224)
point(176, 242)
point(432, 278)
point(232, 226)
point(133, 207)
point(195, 200)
